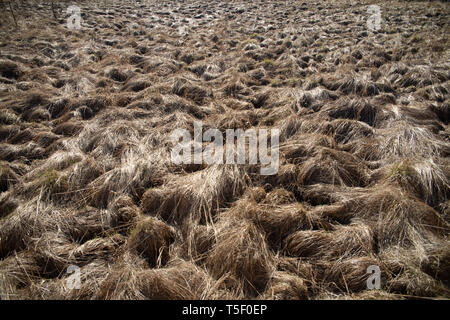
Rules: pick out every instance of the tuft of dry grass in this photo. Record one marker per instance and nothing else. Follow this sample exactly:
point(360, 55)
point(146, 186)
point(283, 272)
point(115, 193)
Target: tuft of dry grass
point(151, 239)
point(285, 286)
point(198, 196)
point(241, 256)
point(341, 242)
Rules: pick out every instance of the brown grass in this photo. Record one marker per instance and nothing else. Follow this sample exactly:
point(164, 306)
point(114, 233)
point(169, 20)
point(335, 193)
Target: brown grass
point(86, 176)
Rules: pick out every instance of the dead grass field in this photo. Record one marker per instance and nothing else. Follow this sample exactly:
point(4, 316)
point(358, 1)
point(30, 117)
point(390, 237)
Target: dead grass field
point(86, 177)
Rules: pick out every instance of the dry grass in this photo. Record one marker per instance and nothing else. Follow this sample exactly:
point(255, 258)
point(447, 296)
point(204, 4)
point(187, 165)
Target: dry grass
point(241, 256)
point(151, 239)
point(86, 176)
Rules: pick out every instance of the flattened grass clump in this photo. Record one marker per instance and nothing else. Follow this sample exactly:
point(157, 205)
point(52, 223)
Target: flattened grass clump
point(241, 256)
point(152, 200)
point(275, 221)
point(333, 167)
point(18, 271)
point(410, 271)
point(117, 75)
point(347, 275)
point(197, 196)
point(426, 179)
point(55, 253)
point(10, 69)
point(342, 241)
point(82, 174)
point(286, 286)
point(87, 177)
point(69, 128)
point(7, 117)
point(192, 92)
point(442, 110)
point(401, 141)
point(124, 213)
point(151, 239)
point(397, 218)
point(180, 281)
point(355, 109)
point(50, 185)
